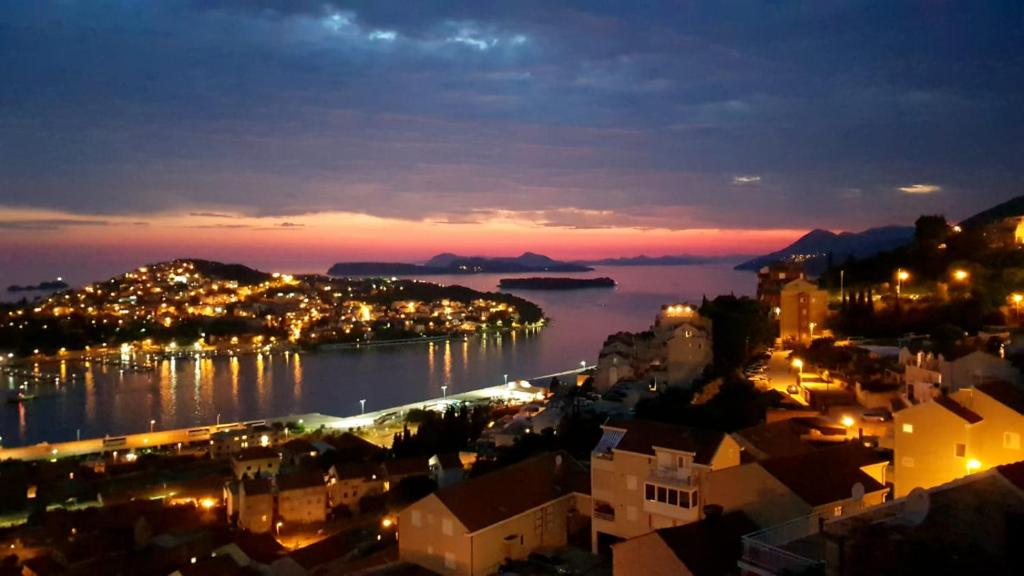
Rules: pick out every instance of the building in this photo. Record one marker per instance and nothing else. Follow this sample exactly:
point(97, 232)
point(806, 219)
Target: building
point(255, 508)
point(802, 310)
point(674, 352)
point(709, 547)
point(650, 475)
point(473, 527)
point(970, 526)
point(771, 279)
point(822, 483)
point(350, 482)
point(231, 440)
point(301, 497)
point(927, 375)
point(448, 468)
point(255, 462)
point(968, 431)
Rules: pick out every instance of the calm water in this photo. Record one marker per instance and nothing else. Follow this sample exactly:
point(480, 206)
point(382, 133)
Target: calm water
point(188, 392)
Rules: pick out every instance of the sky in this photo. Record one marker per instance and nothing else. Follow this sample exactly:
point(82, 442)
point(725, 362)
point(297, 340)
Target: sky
point(298, 133)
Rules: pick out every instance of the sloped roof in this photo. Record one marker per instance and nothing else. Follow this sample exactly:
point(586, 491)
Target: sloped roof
point(1014, 473)
point(1005, 393)
point(407, 466)
point(712, 546)
point(352, 470)
point(495, 497)
point(826, 475)
point(642, 436)
point(300, 480)
point(966, 414)
point(255, 453)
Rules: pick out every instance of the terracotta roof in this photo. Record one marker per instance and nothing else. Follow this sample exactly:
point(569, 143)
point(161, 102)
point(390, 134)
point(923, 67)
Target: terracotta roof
point(492, 498)
point(300, 480)
point(826, 475)
point(712, 546)
point(255, 453)
point(960, 410)
point(255, 486)
point(642, 436)
point(1005, 393)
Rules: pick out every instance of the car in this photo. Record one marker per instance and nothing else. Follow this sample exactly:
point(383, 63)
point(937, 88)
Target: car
point(793, 389)
point(877, 415)
point(550, 561)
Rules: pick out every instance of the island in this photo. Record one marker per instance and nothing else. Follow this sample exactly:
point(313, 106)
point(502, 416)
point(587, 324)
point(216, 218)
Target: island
point(553, 283)
point(42, 286)
point(454, 264)
point(195, 306)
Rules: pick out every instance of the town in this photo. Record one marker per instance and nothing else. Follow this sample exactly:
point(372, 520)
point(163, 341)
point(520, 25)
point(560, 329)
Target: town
point(201, 306)
point(736, 436)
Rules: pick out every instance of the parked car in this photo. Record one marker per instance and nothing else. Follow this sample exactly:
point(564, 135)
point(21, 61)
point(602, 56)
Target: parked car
point(877, 415)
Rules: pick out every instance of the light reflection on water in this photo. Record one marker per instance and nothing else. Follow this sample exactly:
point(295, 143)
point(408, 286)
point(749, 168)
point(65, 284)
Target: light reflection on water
point(186, 392)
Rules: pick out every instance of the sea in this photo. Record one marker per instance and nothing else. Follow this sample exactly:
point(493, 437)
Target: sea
point(185, 392)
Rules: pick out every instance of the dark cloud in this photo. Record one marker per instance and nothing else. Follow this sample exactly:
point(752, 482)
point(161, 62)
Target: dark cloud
point(48, 223)
point(730, 113)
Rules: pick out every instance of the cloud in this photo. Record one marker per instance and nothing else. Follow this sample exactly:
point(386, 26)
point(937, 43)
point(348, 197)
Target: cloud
point(921, 189)
point(743, 180)
point(49, 223)
point(213, 215)
point(290, 225)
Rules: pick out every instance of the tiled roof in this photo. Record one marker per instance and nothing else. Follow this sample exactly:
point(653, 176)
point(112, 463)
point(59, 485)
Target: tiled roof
point(642, 436)
point(960, 410)
point(495, 497)
point(1005, 393)
point(300, 480)
point(353, 470)
point(712, 546)
point(826, 475)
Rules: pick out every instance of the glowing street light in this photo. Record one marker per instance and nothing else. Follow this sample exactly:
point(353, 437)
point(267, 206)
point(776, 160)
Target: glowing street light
point(1017, 299)
point(798, 364)
point(444, 391)
point(847, 421)
point(901, 277)
point(961, 275)
point(973, 466)
point(151, 424)
point(362, 406)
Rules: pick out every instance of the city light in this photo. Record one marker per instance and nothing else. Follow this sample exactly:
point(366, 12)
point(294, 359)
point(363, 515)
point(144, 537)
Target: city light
point(973, 466)
point(961, 275)
point(847, 421)
point(798, 364)
point(207, 503)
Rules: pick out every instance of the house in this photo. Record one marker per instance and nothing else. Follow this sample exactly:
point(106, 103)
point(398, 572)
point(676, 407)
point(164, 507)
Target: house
point(397, 470)
point(231, 440)
point(802, 310)
point(650, 475)
point(771, 279)
point(473, 527)
point(447, 468)
point(301, 497)
point(709, 547)
point(968, 431)
point(972, 525)
point(254, 462)
point(298, 451)
point(927, 375)
point(350, 482)
point(255, 504)
point(822, 483)
point(674, 352)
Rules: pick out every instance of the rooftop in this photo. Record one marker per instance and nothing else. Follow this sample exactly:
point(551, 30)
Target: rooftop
point(522, 486)
point(1005, 393)
point(255, 453)
point(711, 546)
point(643, 436)
point(960, 410)
point(827, 475)
point(300, 480)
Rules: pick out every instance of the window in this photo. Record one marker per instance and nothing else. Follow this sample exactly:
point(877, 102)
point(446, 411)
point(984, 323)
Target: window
point(908, 428)
point(649, 492)
point(684, 500)
point(417, 518)
point(1011, 440)
point(961, 450)
point(907, 462)
point(673, 497)
point(837, 511)
point(446, 526)
point(662, 494)
point(630, 482)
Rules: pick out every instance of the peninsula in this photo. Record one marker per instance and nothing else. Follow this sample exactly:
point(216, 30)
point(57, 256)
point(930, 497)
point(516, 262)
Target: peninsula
point(454, 264)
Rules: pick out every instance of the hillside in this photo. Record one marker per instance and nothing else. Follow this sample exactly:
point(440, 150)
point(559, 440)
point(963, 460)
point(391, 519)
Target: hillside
point(1010, 208)
point(815, 246)
point(448, 263)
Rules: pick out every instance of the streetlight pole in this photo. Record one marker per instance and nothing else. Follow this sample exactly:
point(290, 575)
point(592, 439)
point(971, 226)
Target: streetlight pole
point(444, 391)
point(218, 418)
point(151, 424)
point(362, 406)
point(506, 379)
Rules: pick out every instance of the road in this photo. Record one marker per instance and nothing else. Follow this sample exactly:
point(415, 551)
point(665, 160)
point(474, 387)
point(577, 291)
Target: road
point(781, 375)
point(171, 438)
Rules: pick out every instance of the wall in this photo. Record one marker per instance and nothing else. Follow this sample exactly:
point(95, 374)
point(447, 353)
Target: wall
point(303, 505)
point(930, 447)
point(427, 544)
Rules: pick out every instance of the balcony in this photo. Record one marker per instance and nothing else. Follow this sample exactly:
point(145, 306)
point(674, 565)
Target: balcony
point(604, 511)
point(763, 552)
point(674, 476)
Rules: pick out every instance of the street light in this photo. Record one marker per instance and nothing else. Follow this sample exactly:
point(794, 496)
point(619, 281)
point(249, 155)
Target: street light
point(506, 379)
point(961, 275)
point(362, 406)
point(1017, 298)
point(583, 364)
point(901, 277)
point(151, 424)
point(444, 391)
point(798, 364)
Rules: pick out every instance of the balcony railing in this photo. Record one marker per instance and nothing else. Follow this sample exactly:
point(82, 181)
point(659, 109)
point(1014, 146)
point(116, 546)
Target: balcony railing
point(763, 549)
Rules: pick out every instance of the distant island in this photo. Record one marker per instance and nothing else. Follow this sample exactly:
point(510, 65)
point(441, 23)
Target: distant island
point(676, 260)
point(448, 263)
point(552, 283)
point(47, 285)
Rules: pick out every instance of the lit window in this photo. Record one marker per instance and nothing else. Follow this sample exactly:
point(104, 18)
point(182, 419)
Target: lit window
point(837, 511)
point(908, 428)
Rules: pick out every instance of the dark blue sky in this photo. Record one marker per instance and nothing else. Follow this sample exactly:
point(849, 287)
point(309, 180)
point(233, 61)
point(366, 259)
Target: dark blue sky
point(668, 115)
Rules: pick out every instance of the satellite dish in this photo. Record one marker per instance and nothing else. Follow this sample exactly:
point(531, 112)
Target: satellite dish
point(916, 508)
point(858, 491)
